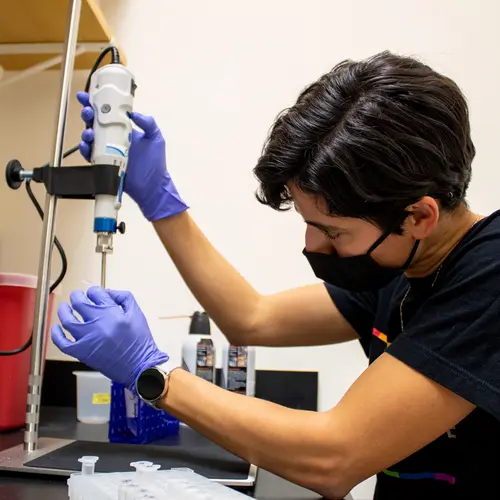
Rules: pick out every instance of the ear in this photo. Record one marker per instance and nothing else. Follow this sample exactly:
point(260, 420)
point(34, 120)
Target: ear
point(423, 218)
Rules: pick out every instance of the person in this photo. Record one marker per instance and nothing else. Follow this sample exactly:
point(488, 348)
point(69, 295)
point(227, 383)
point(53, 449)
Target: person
point(376, 158)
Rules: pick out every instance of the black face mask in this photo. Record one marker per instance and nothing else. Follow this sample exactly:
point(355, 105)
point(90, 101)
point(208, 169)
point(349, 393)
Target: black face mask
point(359, 272)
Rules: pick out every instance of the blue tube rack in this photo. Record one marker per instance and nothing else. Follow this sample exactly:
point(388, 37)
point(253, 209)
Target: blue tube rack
point(148, 424)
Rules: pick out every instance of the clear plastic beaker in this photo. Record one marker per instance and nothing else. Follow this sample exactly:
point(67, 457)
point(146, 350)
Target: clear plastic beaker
point(93, 397)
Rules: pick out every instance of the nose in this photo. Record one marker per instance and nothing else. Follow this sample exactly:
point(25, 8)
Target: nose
point(317, 242)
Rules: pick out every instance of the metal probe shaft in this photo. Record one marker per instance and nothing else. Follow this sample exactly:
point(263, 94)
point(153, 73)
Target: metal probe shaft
point(103, 270)
point(42, 291)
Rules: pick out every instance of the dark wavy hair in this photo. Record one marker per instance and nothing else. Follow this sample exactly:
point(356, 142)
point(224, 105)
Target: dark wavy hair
point(370, 138)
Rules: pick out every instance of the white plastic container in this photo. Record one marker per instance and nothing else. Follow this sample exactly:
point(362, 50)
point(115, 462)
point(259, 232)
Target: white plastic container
point(238, 369)
point(93, 397)
point(147, 482)
point(198, 351)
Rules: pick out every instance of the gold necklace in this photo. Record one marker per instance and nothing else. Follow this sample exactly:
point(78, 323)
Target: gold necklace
point(435, 277)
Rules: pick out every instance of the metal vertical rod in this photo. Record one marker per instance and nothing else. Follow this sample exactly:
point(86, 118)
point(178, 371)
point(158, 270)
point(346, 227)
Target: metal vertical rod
point(103, 270)
point(42, 291)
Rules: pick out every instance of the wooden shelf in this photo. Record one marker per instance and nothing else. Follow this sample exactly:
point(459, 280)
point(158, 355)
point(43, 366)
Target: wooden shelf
point(44, 22)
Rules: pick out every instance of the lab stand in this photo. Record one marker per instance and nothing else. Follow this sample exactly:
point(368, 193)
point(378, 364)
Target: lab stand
point(27, 33)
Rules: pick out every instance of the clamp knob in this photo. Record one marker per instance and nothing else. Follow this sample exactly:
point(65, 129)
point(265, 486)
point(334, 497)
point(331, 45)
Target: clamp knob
point(13, 174)
point(121, 228)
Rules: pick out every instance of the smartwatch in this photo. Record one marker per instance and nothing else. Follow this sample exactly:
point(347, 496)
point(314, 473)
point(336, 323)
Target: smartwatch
point(152, 384)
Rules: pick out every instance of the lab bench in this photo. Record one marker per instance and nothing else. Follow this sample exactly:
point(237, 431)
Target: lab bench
point(62, 423)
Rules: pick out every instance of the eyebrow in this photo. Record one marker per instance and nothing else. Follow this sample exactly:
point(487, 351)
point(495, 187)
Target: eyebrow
point(323, 226)
point(318, 224)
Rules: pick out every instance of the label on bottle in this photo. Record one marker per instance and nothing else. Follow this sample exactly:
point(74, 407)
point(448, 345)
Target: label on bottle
point(237, 369)
point(205, 359)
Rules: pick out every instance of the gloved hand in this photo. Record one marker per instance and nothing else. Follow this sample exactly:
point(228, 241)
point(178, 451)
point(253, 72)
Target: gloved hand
point(147, 182)
point(113, 336)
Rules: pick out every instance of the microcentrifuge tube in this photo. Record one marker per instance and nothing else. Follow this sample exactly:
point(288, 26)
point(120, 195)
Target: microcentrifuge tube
point(140, 465)
point(88, 465)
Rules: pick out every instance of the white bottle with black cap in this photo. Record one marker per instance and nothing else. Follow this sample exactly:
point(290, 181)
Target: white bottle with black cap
point(198, 351)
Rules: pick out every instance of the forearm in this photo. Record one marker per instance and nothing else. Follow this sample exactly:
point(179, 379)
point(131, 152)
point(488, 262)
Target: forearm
point(226, 296)
point(293, 444)
point(297, 317)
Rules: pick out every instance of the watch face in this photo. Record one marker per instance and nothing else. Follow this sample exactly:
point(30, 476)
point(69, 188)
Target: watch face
point(151, 384)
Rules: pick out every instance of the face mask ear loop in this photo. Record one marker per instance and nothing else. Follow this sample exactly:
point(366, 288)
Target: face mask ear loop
point(379, 241)
point(412, 254)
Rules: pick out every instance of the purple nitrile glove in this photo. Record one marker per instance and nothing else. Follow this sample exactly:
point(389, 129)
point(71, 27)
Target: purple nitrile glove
point(147, 182)
point(113, 336)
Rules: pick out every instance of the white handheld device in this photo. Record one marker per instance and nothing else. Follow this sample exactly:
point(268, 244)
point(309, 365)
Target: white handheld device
point(111, 96)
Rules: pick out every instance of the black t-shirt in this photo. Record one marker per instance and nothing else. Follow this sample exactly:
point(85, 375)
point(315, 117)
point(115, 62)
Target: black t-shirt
point(451, 335)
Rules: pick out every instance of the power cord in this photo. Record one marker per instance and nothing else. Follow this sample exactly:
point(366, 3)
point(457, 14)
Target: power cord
point(60, 249)
point(115, 59)
point(57, 243)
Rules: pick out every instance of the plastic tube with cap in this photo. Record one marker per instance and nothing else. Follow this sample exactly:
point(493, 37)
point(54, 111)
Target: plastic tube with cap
point(141, 466)
point(88, 465)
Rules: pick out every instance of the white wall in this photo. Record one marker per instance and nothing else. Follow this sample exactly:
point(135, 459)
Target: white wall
point(215, 74)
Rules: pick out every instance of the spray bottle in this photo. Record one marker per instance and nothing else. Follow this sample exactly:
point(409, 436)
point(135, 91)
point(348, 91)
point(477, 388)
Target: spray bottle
point(198, 351)
point(238, 369)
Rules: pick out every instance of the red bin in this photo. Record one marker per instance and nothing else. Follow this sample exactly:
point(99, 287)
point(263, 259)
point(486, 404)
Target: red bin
point(17, 308)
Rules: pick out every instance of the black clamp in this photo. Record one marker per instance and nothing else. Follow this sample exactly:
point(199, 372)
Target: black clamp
point(78, 183)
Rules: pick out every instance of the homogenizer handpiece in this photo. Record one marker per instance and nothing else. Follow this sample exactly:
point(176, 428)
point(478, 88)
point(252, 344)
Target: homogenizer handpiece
point(111, 96)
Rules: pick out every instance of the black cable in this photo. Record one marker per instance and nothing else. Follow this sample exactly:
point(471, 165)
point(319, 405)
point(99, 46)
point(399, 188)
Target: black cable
point(57, 282)
point(62, 274)
point(60, 249)
point(115, 59)
point(67, 153)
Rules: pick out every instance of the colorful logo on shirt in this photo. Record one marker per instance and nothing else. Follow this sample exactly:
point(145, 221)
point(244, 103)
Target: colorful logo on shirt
point(381, 336)
point(421, 475)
